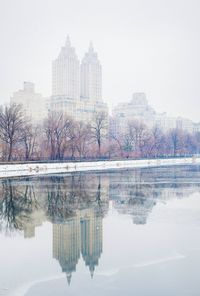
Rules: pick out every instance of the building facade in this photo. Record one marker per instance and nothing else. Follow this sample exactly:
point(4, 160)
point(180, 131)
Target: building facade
point(34, 105)
point(137, 109)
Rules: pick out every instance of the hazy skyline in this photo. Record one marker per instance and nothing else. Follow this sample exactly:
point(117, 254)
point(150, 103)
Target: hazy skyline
point(145, 45)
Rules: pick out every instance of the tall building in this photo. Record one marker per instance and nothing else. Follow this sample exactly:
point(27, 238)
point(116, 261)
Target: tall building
point(68, 79)
point(34, 105)
point(91, 76)
point(65, 73)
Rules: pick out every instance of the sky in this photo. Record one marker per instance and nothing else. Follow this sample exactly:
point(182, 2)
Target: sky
point(150, 46)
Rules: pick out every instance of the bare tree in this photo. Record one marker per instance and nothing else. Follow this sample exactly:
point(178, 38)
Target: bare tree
point(99, 129)
point(49, 129)
point(29, 135)
point(139, 136)
point(127, 144)
point(176, 141)
point(157, 145)
point(57, 129)
point(82, 133)
point(11, 123)
point(118, 139)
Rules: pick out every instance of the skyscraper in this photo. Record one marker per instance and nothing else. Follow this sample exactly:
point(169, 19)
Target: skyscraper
point(65, 73)
point(91, 76)
point(66, 80)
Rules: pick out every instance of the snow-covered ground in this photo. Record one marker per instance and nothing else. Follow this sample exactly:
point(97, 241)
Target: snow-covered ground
point(31, 169)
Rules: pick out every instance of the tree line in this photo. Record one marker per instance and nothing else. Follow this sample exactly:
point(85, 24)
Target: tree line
point(59, 137)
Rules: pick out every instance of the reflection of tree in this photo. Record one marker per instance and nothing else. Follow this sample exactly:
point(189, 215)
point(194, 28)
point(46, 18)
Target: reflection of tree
point(68, 194)
point(23, 201)
point(16, 204)
point(57, 198)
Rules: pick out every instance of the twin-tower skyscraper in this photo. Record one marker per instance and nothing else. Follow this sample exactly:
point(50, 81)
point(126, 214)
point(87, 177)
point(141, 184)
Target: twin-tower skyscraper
point(77, 88)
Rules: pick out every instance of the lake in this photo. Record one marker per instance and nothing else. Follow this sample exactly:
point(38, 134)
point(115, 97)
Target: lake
point(122, 232)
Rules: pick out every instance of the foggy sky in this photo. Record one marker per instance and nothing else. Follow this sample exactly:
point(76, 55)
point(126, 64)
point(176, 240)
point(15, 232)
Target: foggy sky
point(144, 45)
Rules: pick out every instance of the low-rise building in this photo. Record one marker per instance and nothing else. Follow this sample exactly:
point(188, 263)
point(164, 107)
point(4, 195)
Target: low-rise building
point(138, 109)
point(34, 105)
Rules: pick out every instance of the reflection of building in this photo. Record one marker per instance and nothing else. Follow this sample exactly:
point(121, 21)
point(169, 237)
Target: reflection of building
point(80, 233)
point(66, 244)
point(131, 196)
point(137, 208)
point(91, 239)
point(35, 219)
point(137, 193)
point(34, 105)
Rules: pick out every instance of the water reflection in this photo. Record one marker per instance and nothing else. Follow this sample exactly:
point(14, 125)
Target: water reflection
point(136, 193)
point(77, 204)
point(18, 206)
point(81, 234)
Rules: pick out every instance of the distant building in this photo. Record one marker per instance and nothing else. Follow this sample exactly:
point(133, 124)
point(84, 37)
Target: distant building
point(35, 106)
point(185, 124)
point(165, 122)
point(138, 109)
point(91, 77)
point(196, 128)
point(77, 91)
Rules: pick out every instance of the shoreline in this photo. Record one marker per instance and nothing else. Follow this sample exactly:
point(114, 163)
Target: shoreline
point(39, 169)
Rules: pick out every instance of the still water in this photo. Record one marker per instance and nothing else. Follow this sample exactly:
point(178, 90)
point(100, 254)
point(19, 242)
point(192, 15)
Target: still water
point(134, 232)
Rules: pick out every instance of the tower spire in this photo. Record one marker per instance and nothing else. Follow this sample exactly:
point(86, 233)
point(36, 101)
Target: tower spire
point(91, 48)
point(67, 43)
point(91, 268)
point(69, 276)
